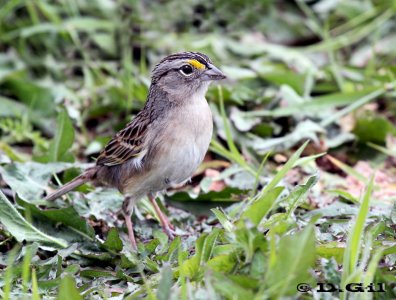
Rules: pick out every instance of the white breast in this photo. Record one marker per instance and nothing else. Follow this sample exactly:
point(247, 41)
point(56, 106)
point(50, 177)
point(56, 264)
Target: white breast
point(187, 139)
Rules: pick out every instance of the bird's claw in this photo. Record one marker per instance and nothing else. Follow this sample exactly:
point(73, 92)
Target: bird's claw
point(170, 232)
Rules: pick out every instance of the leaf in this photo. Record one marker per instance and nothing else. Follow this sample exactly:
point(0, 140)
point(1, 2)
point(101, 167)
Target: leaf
point(223, 263)
point(229, 288)
point(20, 228)
point(282, 172)
point(95, 273)
point(102, 203)
point(165, 284)
point(303, 131)
point(36, 97)
point(299, 194)
point(353, 106)
point(113, 241)
point(30, 179)
point(66, 216)
point(258, 209)
point(241, 122)
point(331, 250)
point(68, 289)
point(353, 248)
point(292, 80)
point(204, 247)
point(315, 106)
point(386, 151)
point(294, 257)
point(35, 289)
point(370, 128)
point(347, 169)
point(63, 139)
point(10, 108)
point(223, 219)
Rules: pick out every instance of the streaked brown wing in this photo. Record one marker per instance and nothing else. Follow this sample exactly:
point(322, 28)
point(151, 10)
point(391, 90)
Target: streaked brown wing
point(127, 143)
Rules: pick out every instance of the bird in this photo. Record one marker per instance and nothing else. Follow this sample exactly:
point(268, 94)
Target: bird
point(164, 143)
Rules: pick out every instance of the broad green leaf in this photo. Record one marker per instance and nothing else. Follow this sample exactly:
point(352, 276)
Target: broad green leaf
point(165, 284)
point(68, 289)
point(113, 241)
point(20, 228)
point(67, 216)
point(36, 97)
point(331, 250)
point(229, 288)
point(63, 139)
point(11, 108)
point(102, 203)
point(204, 247)
point(223, 263)
point(294, 257)
point(288, 78)
point(371, 128)
point(305, 130)
point(97, 273)
point(30, 179)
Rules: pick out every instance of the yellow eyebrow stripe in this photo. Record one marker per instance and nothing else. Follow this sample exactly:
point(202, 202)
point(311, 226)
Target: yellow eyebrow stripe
point(196, 64)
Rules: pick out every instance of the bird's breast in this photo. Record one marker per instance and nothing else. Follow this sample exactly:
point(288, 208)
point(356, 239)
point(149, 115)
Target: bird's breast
point(177, 145)
point(184, 142)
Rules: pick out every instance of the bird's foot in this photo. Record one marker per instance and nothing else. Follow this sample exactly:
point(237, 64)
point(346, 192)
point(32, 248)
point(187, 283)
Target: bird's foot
point(170, 231)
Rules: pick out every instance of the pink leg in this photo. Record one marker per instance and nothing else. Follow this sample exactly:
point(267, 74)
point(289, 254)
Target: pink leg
point(167, 227)
point(131, 235)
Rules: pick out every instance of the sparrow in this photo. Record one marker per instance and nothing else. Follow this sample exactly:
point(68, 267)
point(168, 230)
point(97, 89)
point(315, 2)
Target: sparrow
point(166, 141)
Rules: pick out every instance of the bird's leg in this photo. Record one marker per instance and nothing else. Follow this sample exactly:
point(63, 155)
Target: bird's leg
point(131, 235)
point(128, 221)
point(167, 227)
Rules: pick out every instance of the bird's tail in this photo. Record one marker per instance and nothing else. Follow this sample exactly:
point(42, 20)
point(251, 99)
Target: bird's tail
point(79, 180)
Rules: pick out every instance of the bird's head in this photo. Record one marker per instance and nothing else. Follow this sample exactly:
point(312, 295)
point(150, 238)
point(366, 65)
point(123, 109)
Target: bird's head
point(186, 73)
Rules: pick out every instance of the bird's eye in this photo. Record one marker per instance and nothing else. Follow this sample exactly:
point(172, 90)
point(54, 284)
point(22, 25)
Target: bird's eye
point(186, 70)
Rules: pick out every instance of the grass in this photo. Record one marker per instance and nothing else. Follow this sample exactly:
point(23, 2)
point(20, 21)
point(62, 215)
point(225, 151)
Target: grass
point(297, 186)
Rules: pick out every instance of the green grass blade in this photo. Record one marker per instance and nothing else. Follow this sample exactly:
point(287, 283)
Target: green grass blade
point(347, 169)
point(353, 248)
point(353, 106)
point(35, 290)
point(26, 266)
point(282, 172)
point(382, 149)
point(230, 141)
point(8, 277)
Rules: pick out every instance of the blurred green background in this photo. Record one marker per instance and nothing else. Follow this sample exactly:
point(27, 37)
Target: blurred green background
point(290, 65)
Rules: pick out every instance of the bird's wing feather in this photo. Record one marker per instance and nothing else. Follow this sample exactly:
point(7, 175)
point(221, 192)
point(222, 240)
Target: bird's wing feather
point(127, 144)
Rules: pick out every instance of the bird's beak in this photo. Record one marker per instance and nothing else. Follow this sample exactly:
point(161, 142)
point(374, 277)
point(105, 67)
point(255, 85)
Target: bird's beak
point(212, 73)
